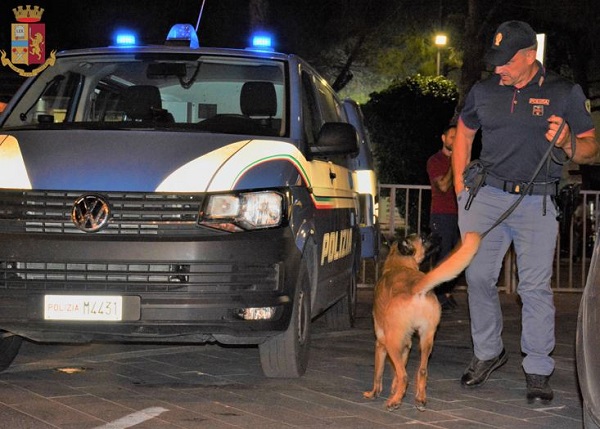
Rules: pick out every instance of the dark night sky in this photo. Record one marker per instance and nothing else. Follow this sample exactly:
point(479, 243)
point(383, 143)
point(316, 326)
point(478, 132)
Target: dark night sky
point(81, 24)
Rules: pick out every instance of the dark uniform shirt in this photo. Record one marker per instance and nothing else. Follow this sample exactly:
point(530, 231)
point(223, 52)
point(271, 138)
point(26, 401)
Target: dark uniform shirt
point(514, 122)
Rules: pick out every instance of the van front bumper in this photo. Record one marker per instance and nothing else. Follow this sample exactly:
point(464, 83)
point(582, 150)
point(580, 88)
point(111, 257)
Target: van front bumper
point(184, 290)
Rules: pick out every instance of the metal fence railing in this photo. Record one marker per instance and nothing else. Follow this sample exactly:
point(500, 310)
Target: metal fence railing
point(404, 209)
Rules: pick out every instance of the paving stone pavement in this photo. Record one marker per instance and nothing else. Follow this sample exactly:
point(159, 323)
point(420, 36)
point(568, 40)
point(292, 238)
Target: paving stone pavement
point(209, 386)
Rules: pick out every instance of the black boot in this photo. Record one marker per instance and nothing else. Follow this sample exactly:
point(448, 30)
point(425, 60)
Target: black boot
point(479, 371)
point(538, 388)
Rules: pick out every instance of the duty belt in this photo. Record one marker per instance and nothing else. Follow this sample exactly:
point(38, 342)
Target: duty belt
point(537, 188)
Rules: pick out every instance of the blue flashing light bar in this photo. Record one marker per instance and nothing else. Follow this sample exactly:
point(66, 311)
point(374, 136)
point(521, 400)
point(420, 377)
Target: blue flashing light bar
point(183, 35)
point(261, 42)
point(125, 39)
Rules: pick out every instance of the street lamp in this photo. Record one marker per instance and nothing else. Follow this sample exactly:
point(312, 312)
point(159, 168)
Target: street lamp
point(440, 41)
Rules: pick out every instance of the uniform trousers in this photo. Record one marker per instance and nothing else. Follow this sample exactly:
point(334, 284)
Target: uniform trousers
point(533, 236)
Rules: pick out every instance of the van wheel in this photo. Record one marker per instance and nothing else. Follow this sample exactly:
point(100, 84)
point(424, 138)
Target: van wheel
point(588, 421)
point(9, 348)
point(342, 314)
point(286, 355)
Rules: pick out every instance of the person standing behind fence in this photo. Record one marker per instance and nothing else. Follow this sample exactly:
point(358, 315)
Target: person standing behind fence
point(443, 218)
point(519, 111)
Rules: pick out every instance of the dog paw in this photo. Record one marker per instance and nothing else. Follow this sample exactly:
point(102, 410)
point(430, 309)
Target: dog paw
point(392, 406)
point(370, 394)
point(420, 406)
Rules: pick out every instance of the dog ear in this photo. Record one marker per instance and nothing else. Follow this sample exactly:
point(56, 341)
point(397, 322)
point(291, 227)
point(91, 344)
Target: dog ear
point(406, 246)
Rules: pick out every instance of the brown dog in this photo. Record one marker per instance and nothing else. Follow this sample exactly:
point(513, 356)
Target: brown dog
point(404, 304)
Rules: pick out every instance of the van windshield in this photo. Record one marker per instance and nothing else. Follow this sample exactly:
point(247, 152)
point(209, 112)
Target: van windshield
point(163, 91)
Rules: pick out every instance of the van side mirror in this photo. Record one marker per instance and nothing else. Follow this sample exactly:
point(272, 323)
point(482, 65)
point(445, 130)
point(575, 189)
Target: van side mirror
point(335, 138)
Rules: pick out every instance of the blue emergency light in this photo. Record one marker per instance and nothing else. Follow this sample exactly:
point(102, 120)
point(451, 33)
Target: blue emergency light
point(262, 42)
point(125, 39)
point(182, 35)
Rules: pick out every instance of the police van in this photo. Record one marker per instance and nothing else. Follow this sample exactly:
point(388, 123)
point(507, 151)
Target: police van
point(182, 194)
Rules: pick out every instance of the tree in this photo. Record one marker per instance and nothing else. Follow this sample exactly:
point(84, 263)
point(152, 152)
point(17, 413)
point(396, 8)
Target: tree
point(335, 34)
point(361, 47)
point(472, 52)
point(406, 121)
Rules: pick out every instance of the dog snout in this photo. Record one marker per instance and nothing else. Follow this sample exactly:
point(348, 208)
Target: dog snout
point(431, 243)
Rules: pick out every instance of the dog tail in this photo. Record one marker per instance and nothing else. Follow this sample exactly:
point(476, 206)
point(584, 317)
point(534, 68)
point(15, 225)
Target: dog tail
point(452, 266)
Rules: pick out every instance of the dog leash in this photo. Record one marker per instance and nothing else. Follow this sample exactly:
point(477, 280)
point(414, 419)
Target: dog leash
point(545, 159)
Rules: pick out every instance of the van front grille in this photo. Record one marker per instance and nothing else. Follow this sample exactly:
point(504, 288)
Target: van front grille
point(139, 277)
point(131, 213)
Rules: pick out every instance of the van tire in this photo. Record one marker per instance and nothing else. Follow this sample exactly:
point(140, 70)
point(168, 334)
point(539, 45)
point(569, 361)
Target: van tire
point(9, 348)
point(342, 315)
point(286, 355)
point(588, 421)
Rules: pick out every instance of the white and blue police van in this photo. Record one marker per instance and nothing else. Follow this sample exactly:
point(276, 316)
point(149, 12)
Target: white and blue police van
point(182, 194)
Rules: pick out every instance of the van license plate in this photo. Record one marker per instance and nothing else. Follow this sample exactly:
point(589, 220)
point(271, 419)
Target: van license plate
point(83, 307)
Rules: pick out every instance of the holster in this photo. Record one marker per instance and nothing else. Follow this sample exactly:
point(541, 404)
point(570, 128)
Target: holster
point(473, 178)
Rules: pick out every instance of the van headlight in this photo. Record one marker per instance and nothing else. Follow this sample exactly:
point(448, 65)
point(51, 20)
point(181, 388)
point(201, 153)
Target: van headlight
point(244, 211)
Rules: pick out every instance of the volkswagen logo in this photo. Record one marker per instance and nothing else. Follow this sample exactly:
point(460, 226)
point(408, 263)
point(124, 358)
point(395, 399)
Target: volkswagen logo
point(90, 212)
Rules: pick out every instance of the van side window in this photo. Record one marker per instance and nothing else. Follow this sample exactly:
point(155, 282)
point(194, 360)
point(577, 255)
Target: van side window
point(310, 110)
point(331, 108)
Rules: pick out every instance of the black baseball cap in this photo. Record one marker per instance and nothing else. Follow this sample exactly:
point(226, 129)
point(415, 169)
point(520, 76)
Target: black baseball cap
point(510, 38)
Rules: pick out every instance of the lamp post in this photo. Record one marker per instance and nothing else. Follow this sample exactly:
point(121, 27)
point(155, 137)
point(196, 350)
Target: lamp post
point(440, 41)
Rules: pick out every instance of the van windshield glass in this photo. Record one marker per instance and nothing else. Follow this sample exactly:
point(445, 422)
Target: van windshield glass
point(206, 93)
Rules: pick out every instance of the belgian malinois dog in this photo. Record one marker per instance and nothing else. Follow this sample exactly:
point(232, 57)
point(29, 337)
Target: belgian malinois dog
point(404, 304)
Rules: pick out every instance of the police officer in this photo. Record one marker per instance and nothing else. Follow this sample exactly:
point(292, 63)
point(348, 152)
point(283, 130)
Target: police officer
point(519, 111)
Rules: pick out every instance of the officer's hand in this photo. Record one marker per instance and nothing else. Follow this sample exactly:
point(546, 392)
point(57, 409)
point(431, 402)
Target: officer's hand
point(553, 125)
